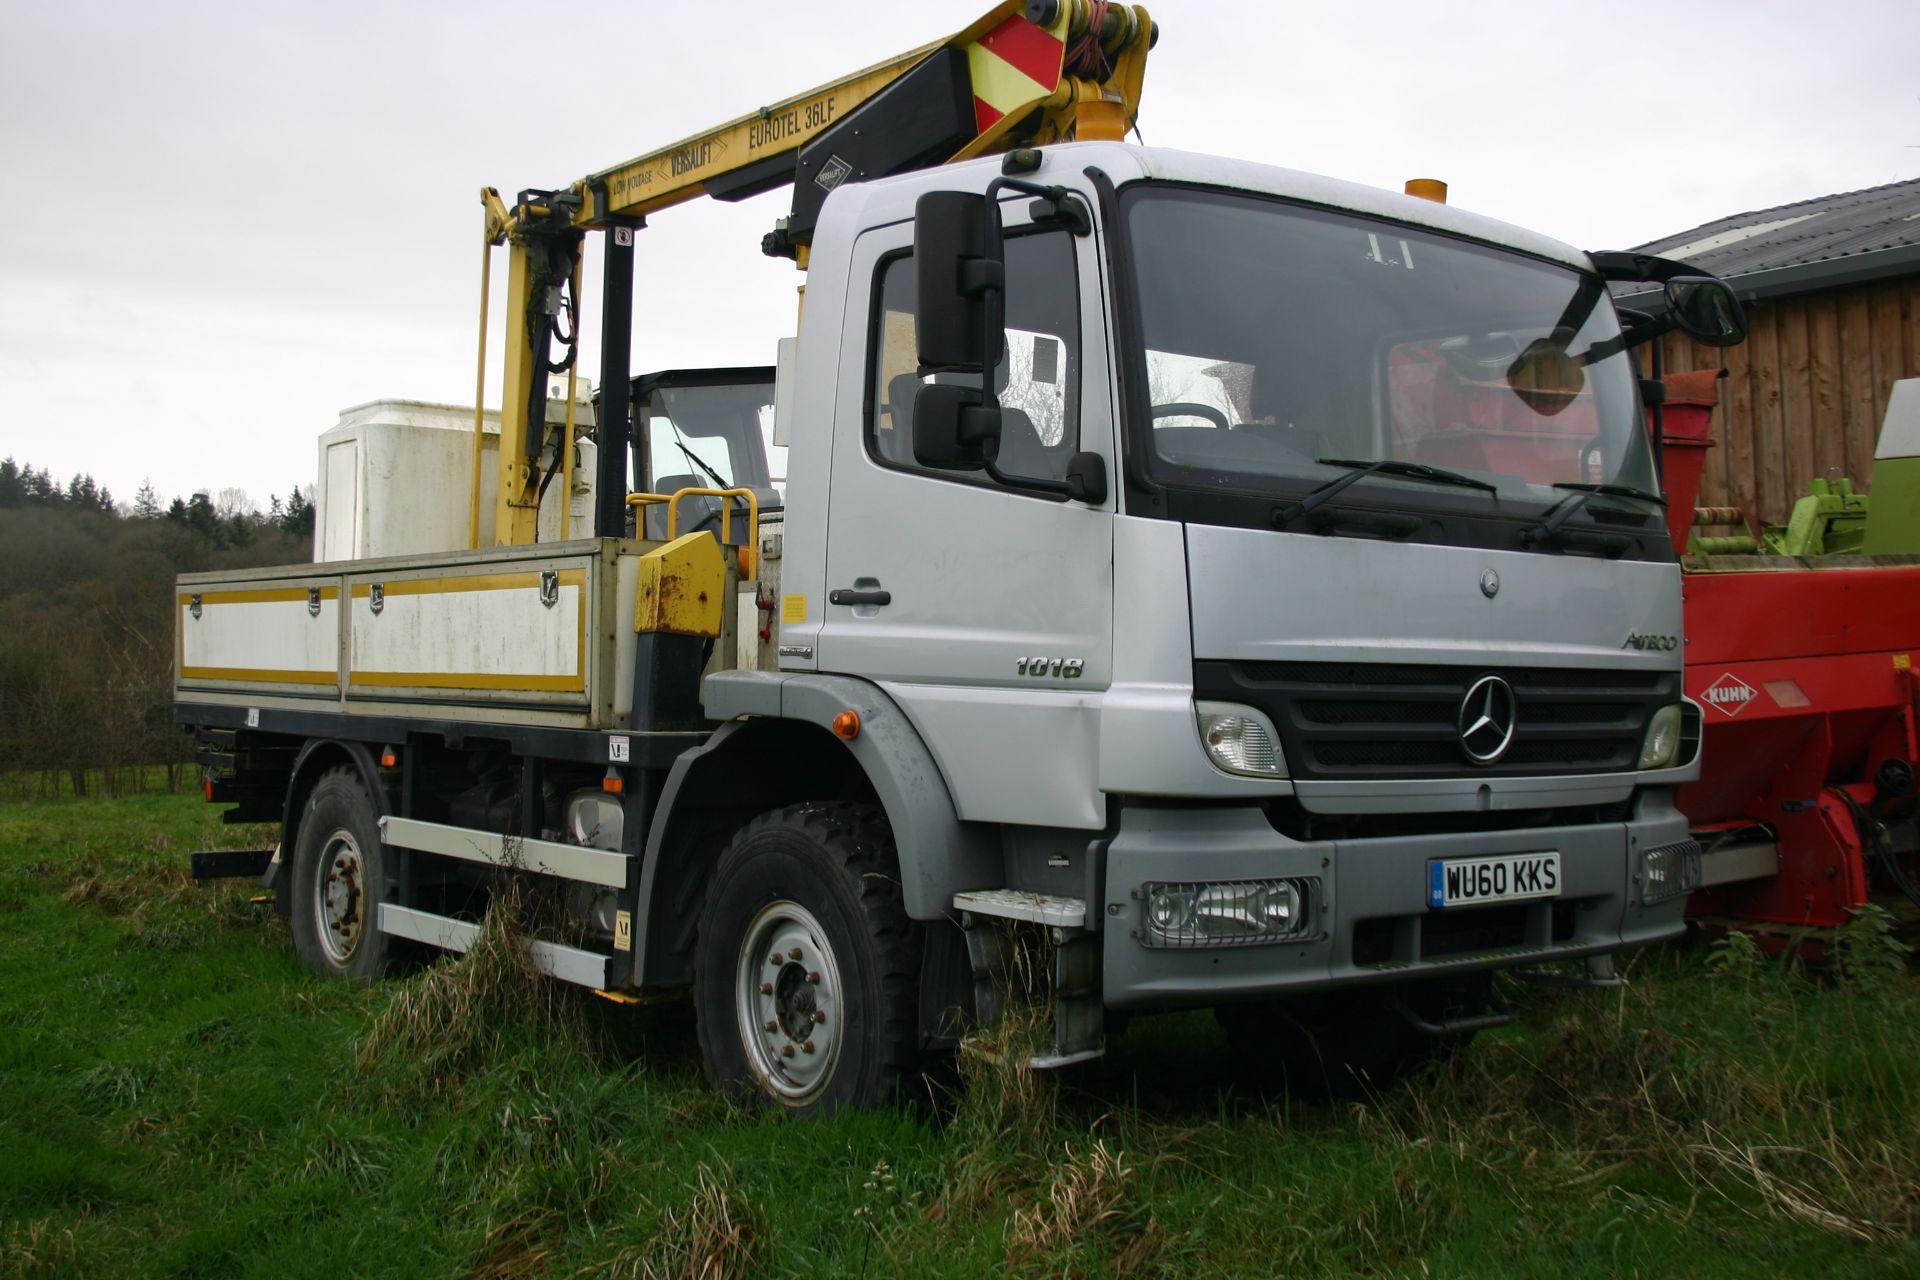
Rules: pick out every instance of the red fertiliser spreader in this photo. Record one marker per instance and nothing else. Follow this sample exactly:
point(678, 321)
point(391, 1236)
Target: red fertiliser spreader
point(1801, 644)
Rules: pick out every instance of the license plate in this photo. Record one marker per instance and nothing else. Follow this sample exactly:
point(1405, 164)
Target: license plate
point(1510, 877)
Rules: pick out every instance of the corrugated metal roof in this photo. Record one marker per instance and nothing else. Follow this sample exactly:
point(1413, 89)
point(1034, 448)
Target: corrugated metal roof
point(1792, 235)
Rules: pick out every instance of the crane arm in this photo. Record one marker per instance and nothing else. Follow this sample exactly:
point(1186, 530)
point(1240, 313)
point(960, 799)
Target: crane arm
point(1010, 61)
point(744, 156)
point(1027, 72)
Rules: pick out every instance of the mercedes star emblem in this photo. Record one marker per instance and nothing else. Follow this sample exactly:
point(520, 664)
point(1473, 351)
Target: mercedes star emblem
point(1489, 583)
point(1488, 715)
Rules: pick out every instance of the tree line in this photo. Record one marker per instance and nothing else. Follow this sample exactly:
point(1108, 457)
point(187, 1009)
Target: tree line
point(86, 587)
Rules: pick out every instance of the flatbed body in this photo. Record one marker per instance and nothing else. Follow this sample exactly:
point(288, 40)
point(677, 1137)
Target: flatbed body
point(505, 635)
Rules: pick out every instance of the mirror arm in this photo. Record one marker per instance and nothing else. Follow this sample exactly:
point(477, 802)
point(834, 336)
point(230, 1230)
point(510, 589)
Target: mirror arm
point(1638, 268)
point(1032, 484)
point(1643, 330)
point(1051, 203)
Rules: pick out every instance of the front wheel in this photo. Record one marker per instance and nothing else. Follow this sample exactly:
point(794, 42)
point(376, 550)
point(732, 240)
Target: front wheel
point(806, 966)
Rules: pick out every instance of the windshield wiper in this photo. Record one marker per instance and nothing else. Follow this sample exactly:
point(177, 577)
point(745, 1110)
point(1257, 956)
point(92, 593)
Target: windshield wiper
point(1284, 516)
point(1583, 493)
point(699, 462)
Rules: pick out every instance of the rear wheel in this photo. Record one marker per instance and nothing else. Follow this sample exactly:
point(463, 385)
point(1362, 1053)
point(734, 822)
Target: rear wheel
point(339, 878)
point(806, 965)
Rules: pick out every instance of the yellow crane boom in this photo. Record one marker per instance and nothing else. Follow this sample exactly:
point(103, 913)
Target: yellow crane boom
point(1027, 72)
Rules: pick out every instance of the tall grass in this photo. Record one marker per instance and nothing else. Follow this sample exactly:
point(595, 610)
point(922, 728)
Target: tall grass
point(178, 1097)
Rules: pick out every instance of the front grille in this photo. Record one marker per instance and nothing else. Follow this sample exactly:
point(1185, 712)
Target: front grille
point(1376, 720)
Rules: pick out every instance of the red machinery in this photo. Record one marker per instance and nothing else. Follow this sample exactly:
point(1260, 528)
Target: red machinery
point(1804, 671)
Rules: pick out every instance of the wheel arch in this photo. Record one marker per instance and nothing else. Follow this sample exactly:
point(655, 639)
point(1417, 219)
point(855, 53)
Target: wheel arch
point(784, 752)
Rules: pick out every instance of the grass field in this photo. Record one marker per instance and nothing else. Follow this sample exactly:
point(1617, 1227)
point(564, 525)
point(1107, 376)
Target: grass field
point(178, 1097)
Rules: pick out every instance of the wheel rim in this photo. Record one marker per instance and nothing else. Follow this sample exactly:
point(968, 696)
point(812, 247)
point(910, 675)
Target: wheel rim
point(339, 897)
point(787, 1001)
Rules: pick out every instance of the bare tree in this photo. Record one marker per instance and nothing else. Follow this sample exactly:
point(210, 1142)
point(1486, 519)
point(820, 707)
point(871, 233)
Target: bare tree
point(234, 504)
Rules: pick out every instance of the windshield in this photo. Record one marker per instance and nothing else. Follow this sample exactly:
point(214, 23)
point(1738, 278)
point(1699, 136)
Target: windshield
point(1286, 346)
point(707, 434)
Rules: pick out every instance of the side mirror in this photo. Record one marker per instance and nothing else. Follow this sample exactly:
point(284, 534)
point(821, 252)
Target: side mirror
point(1706, 310)
point(952, 426)
point(957, 264)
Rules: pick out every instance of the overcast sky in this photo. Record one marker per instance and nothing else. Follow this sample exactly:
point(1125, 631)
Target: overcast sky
point(222, 223)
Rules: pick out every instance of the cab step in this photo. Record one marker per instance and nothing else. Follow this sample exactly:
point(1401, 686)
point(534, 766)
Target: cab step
point(1034, 908)
point(569, 964)
point(1072, 970)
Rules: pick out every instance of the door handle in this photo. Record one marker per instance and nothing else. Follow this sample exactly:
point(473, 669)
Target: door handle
point(847, 595)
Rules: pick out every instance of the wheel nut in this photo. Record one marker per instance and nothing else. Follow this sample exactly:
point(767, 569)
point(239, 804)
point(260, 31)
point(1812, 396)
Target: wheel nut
point(819, 1015)
point(813, 976)
point(766, 988)
point(786, 1051)
point(794, 954)
point(773, 1024)
point(775, 960)
point(806, 1047)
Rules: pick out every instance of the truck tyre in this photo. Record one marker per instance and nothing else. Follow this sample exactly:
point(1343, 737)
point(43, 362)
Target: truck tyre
point(805, 972)
point(339, 873)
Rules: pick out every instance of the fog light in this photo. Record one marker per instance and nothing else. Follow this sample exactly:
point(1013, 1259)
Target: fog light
point(1662, 742)
point(1669, 871)
point(1226, 914)
point(1240, 739)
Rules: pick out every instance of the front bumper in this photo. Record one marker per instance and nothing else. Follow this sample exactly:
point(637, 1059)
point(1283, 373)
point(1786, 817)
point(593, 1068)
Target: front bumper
point(1372, 923)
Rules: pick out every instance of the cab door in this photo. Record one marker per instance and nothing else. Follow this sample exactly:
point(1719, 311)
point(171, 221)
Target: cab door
point(985, 611)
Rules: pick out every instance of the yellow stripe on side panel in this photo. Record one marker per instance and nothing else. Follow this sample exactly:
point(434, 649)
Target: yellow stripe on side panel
point(454, 680)
point(472, 582)
point(258, 675)
point(268, 595)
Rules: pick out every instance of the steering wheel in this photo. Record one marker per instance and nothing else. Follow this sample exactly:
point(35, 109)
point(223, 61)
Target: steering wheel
point(1189, 409)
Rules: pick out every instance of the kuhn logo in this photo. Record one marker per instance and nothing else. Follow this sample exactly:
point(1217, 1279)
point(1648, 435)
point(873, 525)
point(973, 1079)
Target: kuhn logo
point(1729, 694)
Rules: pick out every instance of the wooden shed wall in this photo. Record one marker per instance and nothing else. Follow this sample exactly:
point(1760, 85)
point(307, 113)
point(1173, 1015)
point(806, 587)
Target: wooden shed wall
point(1806, 392)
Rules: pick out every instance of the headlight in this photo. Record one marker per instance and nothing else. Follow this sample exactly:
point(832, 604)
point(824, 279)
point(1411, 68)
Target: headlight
point(1240, 740)
point(1213, 915)
point(1662, 742)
